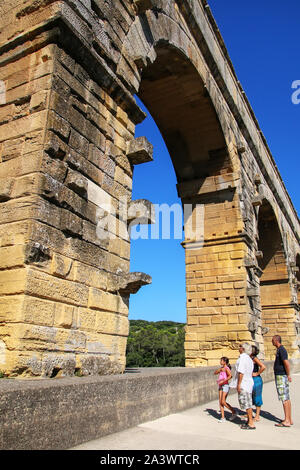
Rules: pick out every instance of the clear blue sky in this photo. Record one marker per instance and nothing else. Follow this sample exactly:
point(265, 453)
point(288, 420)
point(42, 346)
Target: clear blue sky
point(262, 39)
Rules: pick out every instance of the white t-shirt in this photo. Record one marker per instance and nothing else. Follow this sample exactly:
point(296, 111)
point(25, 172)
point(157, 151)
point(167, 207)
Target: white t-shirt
point(245, 366)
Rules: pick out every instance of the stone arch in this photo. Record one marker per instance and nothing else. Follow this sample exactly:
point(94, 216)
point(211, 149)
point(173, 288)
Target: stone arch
point(66, 286)
point(175, 85)
point(275, 289)
point(145, 39)
point(176, 96)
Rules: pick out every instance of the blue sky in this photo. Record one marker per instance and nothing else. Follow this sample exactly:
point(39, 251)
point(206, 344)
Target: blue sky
point(263, 42)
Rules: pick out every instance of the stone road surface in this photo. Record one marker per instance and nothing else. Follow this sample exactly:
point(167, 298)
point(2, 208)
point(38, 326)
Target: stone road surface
point(198, 429)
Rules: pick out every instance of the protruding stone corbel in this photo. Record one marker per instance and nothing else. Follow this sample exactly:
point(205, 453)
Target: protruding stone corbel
point(252, 292)
point(253, 326)
point(139, 151)
point(257, 180)
point(141, 211)
point(250, 262)
point(241, 148)
point(257, 200)
point(264, 330)
point(77, 183)
point(36, 253)
point(132, 282)
point(258, 271)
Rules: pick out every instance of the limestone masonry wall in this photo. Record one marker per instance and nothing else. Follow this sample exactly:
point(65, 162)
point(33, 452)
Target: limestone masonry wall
point(70, 70)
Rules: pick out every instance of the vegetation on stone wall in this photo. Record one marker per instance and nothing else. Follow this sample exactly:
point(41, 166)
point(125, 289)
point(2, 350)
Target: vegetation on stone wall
point(155, 344)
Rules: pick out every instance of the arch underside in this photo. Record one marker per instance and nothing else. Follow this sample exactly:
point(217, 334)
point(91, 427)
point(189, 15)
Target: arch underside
point(206, 169)
point(278, 310)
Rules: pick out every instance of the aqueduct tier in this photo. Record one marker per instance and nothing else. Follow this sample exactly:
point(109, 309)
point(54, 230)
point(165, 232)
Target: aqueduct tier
point(69, 72)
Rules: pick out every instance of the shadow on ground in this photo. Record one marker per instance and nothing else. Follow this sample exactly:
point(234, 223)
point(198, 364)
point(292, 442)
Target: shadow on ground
point(241, 416)
point(238, 420)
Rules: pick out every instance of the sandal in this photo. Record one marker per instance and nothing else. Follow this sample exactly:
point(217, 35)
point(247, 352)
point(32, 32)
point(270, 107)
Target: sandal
point(246, 426)
point(281, 425)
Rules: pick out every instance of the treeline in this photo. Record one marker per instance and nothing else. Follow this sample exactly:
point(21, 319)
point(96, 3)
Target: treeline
point(155, 344)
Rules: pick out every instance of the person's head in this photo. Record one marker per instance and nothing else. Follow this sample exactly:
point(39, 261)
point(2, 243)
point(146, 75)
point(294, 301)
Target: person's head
point(276, 341)
point(245, 348)
point(224, 361)
point(255, 351)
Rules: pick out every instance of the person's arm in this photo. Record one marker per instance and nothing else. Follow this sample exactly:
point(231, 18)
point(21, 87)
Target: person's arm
point(261, 367)
point(217, 371)
point(287, 369)
point(240, 378)
point(284, 358)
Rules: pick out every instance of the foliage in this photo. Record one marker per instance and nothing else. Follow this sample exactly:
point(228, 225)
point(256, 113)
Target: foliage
point(155, 344)
point(2, 375)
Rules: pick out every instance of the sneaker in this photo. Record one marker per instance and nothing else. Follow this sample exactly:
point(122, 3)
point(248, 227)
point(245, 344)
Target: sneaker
point(222, 420)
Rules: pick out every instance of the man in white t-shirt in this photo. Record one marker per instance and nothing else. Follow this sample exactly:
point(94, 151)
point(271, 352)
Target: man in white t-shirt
point(243, 381)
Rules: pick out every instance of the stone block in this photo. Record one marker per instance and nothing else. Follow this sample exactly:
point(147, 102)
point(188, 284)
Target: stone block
point(64, 316)
point(52, 288)
point(140, 211)
point(139, 151)
point(12, 257)
point(61, 266)
point(77, 183)
point(13, 281)
point(6, 185)
point(106, 301)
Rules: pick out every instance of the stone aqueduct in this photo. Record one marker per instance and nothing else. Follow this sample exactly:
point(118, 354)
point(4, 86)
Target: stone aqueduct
point(70, 69)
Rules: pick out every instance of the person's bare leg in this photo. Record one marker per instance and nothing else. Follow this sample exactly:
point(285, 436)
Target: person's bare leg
point(287, 408)
point(227, 404)
point(250, 418)
point(257, 414)
point(221, 404)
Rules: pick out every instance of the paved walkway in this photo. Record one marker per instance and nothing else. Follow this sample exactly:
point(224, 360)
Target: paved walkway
point(198, 429)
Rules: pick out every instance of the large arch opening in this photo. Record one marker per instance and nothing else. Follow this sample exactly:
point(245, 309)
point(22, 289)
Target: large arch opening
point(157, 313)
point(275, 292)
point(175, 95)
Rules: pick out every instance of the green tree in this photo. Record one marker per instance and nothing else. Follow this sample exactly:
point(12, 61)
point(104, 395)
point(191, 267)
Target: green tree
point(155, 344)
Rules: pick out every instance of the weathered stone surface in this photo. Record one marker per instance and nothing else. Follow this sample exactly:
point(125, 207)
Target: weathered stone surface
point(140, 211)
point(139, 151)
point(67, 153)
point(132, 282)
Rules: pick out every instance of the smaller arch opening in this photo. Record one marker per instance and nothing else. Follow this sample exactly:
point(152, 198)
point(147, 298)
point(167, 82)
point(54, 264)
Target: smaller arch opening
point(275, 292)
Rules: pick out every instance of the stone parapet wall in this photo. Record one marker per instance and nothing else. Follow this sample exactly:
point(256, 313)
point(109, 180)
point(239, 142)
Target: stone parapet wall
point(62, 413)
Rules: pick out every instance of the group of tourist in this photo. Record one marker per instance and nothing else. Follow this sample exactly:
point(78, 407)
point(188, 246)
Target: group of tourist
point(248, 382)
